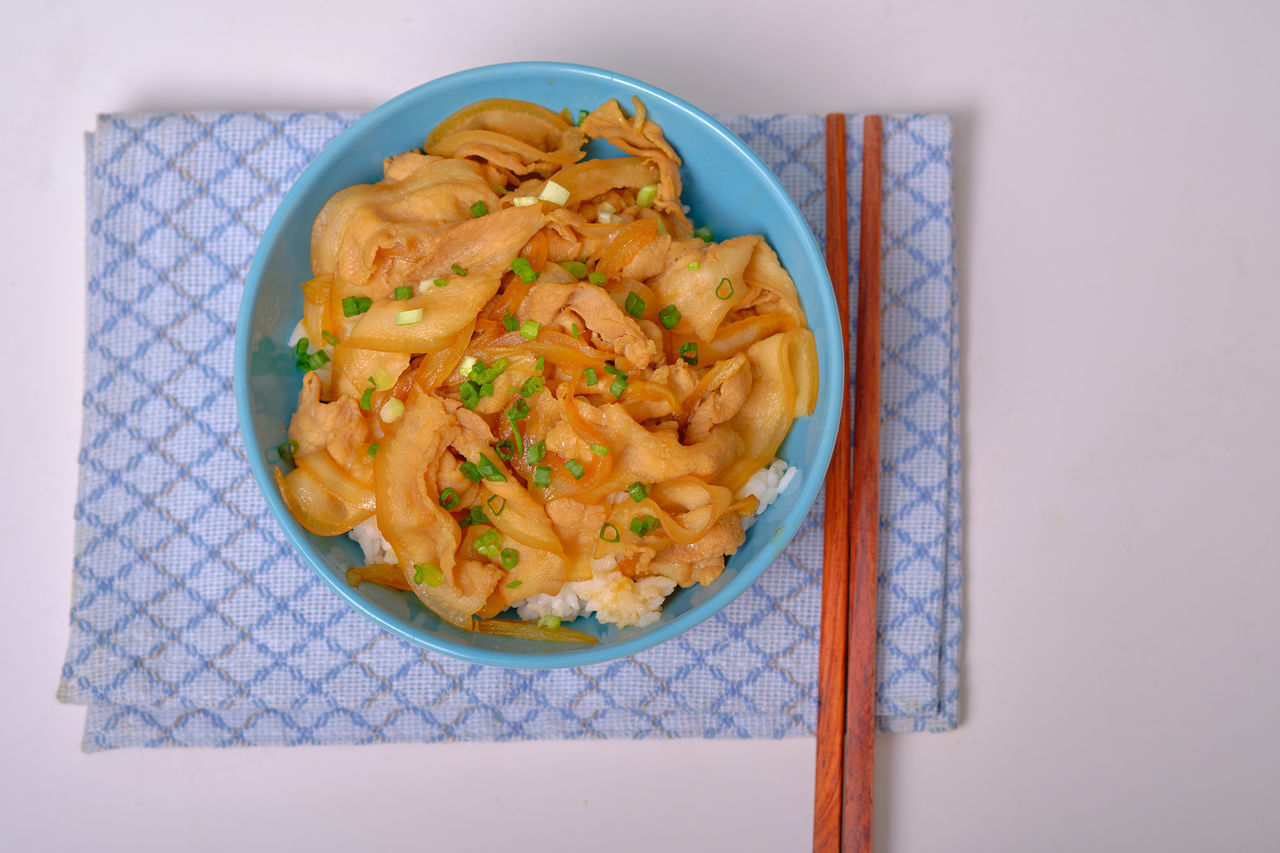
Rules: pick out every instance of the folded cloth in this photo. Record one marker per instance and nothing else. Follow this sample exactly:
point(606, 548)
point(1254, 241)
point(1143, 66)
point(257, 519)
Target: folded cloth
point(193, 623)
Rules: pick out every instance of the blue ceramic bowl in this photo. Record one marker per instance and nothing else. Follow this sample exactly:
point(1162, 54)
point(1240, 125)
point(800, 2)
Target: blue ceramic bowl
point(726, 186)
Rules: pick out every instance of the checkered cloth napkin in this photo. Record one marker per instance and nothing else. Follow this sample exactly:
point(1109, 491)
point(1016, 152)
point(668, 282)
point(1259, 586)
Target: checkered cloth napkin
point(194, 624)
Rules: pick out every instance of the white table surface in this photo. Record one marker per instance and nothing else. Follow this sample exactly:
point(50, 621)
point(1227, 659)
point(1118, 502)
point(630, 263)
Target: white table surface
point(1118, 213)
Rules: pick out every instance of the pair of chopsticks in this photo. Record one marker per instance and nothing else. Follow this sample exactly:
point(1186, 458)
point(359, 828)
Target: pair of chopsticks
point(847, 656)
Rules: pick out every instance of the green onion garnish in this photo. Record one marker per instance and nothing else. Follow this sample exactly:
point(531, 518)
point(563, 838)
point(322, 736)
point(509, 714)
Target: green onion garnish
point(577, 269)
point(488, 544)
point(540, 363)
point(619, 385)
point(409, 318)
point(509, 322)
point(481, 374)
point(391, 411)
point(353, 305)
point(693, 265)
point(479, 209)
point(514, 584)
point(643, 524)
point(449, 499)
point(609, 532)
point(509, 557)
point(582, 116)
point(542, 476)
point(366, 399)
point(634, 305)
point(573, 330)
point(489, 471)
point(549, 622)
point(638, 491)
point(597, 278)
point(646, 194)
point(522, 268)
point(427, 573)
point(519, 410)
point(609, 368)
point(486, 389)
point(505, 449)
point(330, 338)
point(532, 386)
point(469, 392)
point(301, 348)
point(724, 289)
point(287, 450)
point(529, 329)
point(704, 233)
point(669, 317)
point(599, 450)
point(589, 376)
point(497, 508)
point(373, 449)
point(474, 516)
point(574, 467)
point(403, 293)
point(689, 352)
point(471, 471)
point(536, 453)
point(457, 269)
point(441, 282)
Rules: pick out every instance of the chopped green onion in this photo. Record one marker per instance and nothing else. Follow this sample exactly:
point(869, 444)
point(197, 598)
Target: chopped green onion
point(482, 375)
point(704, 233)
point(509, 557)
point(529, 329)
point(449, 499)
point(536, 452)
point(635, 304)
point(457, 269)
point(475, 515)
point(514, 584)
point(330, 338)
point(510, 323)
point(515, 430)
point(574, 467)
point(505, 449)
point(577, 269)
point(548, 621)
point(469, 392)
point(619, 385)
point(403, 293)
point(646, 194)
point(479, 209)
point(582, 116)
point(301, 348)
point(689, 352)
point(523, 201)
point(366, 399)
point(522, 268)
point(589, 376)
point(489, 544)
point(609, 368)
point(519, 410)
point(540, 364)
point(542, 476)
point(353, 305)
point(408, 318)
point(609, 532)
point(287, 450)
point(693, 265)
point(573, 330)
point(427, 573)
point(441, 282)
point(391, 411)
point(497, 508)
point(669, 317)
point(554, 193)
point(470, 471)
point(638, 491)
point(373, 449)
point(643, 524)
point(597, 278)
point(599, 450)
point(486, 389)
point(532, 386)
point(489, 470)
point(381, 380)
point(723, 292)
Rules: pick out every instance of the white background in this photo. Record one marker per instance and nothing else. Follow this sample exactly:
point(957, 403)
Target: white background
point(1118, 213)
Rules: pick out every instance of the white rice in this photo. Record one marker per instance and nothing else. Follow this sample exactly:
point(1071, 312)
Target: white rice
point(610, 595)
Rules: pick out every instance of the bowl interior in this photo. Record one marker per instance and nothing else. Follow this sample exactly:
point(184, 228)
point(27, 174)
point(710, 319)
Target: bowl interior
point(726, 187)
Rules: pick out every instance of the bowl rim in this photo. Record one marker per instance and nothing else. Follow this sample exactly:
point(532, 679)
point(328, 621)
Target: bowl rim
point(745, 577)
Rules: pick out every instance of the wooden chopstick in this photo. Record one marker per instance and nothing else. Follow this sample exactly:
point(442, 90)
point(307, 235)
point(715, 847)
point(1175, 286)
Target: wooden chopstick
point(828, 800)
point(859, 741)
